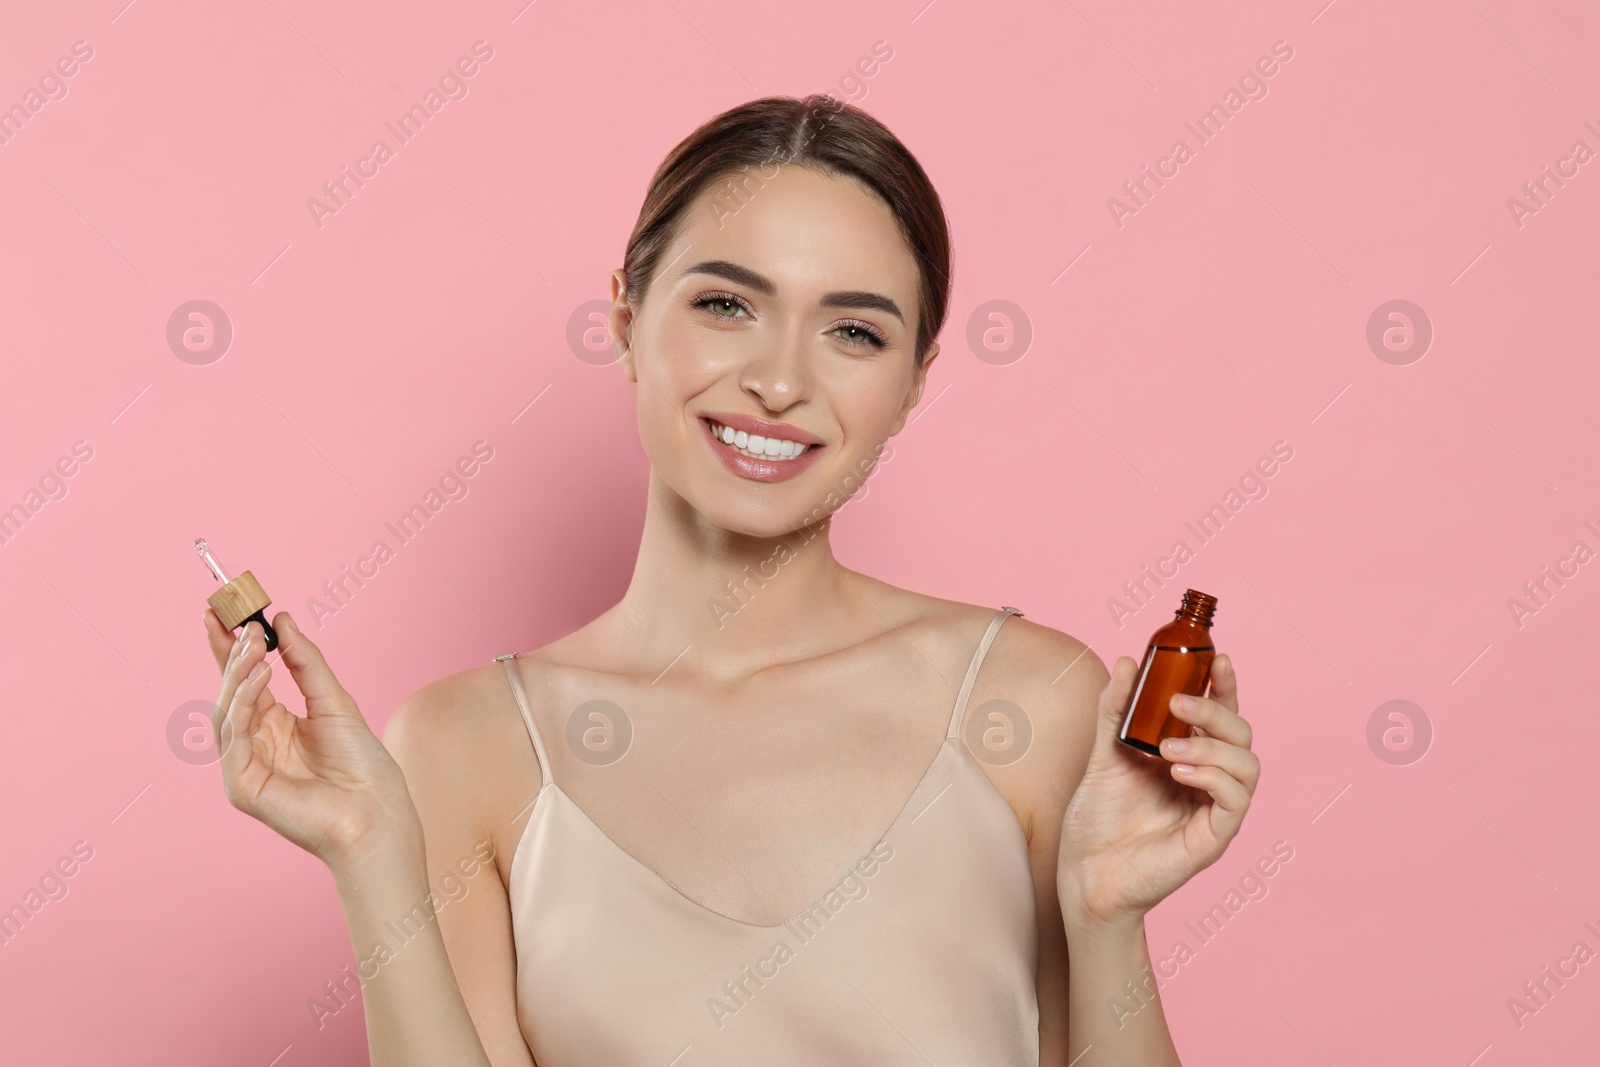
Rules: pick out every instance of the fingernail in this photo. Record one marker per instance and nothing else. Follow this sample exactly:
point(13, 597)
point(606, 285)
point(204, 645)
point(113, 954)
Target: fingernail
point(1185, 702)
point(1183, 768)
point(1177, 744)
point(288, 623)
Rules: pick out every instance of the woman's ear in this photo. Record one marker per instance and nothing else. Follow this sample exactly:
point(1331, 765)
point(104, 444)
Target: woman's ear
point(622, 324)
point(919, 378)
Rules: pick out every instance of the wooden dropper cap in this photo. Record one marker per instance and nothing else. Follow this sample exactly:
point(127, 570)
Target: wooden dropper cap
point(239, 601)
point(241, 598)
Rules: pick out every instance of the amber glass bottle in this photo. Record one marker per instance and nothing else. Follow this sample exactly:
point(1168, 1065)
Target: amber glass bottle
point(1178, 660)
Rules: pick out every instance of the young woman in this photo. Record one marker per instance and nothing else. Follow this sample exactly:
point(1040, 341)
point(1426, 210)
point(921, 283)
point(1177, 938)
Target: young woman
point(765, 809)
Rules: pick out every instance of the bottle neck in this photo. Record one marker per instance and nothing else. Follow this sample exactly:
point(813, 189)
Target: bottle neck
point(1197, 607)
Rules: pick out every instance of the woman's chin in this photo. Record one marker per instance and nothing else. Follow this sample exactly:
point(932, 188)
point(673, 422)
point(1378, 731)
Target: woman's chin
point(762, 522)
point(749, 509)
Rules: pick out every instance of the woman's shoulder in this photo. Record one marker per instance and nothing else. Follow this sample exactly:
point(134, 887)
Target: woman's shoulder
point(465, 728)
point(1026, 655)
point(455, 707)
point(1046, 684)
point(475, 706)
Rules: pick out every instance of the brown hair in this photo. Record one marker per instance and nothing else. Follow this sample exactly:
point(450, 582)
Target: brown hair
point(745, 145)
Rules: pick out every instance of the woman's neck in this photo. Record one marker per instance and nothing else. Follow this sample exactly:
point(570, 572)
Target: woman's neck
point(740, 603)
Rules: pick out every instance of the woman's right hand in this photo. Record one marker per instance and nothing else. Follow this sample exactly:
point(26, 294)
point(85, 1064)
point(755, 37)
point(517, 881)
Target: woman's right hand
point(324, 781)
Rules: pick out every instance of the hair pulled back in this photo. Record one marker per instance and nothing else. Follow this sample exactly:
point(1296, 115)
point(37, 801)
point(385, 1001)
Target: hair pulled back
point(745, 147)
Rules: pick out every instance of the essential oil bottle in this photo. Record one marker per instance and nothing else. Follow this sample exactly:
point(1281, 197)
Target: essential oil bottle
point(1177, 660)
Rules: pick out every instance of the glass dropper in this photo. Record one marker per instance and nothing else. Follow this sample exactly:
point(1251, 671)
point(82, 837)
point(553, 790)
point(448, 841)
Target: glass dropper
point(210, 560)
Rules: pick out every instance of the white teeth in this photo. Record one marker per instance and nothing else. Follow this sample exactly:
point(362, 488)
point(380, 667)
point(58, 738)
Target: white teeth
point(755, 446)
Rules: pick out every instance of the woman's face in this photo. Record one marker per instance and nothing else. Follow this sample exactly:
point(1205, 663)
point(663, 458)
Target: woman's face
point(797, 305)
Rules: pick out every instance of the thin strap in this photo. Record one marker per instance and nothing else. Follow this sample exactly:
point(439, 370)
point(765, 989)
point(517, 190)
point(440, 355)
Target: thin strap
point(972, 669)
point(527, 716)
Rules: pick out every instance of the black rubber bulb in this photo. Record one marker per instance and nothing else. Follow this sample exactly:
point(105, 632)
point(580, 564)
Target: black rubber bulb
point(266, 628)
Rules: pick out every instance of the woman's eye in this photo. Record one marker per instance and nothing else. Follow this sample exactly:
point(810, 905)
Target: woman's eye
point(863, 336)
point(727, 306)
point(717, 304)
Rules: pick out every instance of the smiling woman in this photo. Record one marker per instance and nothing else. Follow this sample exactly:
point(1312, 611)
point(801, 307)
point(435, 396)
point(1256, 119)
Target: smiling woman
point(699, 806)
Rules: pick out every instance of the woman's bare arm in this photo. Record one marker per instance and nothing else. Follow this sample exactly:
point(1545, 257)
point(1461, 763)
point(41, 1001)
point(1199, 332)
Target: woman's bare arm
point(460, 756)
point(1136, 829)
point(1083, 965)
point(415, 1012)
point(326, 783)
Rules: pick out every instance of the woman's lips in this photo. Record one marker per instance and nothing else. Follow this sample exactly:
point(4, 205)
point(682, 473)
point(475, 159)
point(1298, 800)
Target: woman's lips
point(758, 470)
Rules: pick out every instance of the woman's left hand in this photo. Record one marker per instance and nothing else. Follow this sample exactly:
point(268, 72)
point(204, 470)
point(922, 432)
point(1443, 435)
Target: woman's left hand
point(1139, 826)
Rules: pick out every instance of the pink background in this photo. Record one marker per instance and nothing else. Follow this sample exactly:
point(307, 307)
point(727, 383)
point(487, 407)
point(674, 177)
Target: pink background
point(1228, 313)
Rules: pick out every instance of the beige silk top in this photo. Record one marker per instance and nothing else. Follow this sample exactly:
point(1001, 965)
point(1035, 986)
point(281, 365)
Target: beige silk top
point(924, 952)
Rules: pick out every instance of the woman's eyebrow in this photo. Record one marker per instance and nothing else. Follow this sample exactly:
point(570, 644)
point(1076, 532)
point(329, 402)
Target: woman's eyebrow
point(854, 298)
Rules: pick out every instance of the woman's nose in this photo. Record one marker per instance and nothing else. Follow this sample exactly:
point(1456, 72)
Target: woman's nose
point(778, 375)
